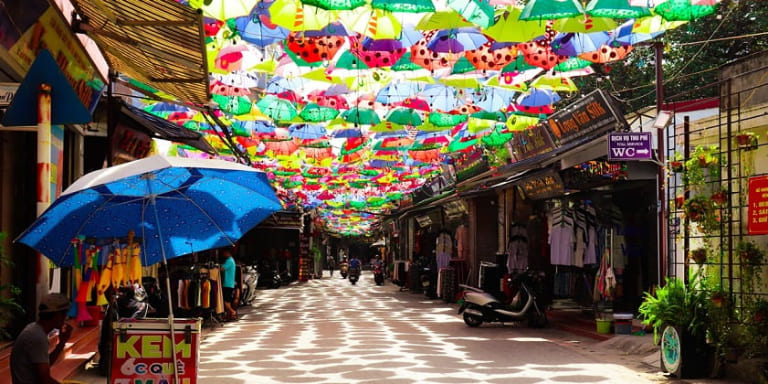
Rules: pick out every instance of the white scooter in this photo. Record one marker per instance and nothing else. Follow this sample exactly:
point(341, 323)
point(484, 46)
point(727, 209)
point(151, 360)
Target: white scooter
point(250, 282)
point(479, 306)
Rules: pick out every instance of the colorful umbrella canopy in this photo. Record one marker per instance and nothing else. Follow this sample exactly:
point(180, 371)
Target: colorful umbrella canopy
point(683, 10)
point(478, 12)
point(335, 4)
point(316, 113)
point(456, 40)
point(617, 9)
point(276, 108)
point(412, 6)
point(551, 9)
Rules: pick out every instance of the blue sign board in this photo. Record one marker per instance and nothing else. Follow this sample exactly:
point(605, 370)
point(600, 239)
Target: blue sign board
point(623, 146)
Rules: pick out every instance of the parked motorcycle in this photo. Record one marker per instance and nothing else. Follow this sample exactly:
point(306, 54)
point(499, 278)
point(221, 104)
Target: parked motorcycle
point(378, 274)
point(344, 269)
point(268, 277)
point(250, 282)
point(354, 275)
point(479, 306)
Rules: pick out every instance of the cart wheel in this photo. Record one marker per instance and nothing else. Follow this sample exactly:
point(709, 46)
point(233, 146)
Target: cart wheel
point(671, 351)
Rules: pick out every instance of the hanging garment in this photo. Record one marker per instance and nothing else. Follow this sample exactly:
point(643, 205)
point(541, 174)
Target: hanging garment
point(443, 249)
point(517, 248)
point(460, 236)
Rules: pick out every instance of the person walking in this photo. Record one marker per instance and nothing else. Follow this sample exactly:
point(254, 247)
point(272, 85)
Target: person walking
point(331, 264)
point(228, 285)
point(30, 360)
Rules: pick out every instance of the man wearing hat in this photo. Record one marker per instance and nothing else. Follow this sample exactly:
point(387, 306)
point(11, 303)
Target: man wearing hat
point(30, 360)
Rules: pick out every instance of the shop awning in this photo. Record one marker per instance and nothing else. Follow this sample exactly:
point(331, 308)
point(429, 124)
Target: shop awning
point(160, 128)
point(159, 42)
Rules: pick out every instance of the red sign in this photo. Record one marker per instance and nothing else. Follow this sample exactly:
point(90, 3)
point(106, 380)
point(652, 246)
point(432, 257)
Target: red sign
point(757, 213)
point(142, 351)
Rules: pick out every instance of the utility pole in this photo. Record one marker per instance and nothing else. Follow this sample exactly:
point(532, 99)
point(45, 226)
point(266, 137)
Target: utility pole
point(658, 48)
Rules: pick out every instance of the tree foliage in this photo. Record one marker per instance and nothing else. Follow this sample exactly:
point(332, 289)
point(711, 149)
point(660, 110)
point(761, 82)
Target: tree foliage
point(692, 54)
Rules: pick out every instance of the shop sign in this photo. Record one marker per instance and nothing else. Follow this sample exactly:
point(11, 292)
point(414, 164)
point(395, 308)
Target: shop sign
point(530, 142)
point(590, 115)
point(129, 144)
point(624, 146)
point(51, 32)
point(142, 351)
point(7, 92)
point(542, 186)
point(757, 200)
point(470, 164)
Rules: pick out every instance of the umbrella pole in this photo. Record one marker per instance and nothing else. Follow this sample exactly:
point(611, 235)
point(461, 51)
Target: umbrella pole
point(167, 286)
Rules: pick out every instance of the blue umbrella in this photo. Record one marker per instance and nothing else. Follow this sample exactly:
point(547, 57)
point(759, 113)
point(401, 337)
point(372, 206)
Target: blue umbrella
point(441, 97)
point(254, 31)
point(176, 206)
point(493, 99)
point(538, 97)
point(457, 40)
point(306, 131)
point(574, 44)
point(397, 92)
point(626, 36)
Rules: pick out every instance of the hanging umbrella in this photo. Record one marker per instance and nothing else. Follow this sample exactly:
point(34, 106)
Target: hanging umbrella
point(608, 53)
point(277, 109)
point(377, 53)
point(305, 131)
point(296, 16)
point(572, 64)
point(540, 53)
point(554, 83)
point(259, 31)
point(617, 9)
point(478, 12)
point(372, 22)
point(388, 129)
point(538, 97)
point(440, 119)
point(492, 99)
point(625, 34)
point(683, 10)
point(236, 105)
point(442, 20)
point(313, 49)
point(584, 24)
point(456, 40)
point(315, 113)
point(396, 92)
point(551, 9)
point(440, 97)
point(404, 116)
point(405, 6)
point(574, 44)
point(509, 28)
point(333, 5)
point(219, 88)
point(489, 57)
point(361, 116)
point(655, 24)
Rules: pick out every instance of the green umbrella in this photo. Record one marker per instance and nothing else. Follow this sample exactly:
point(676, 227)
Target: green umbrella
point(551, 9)
point(462, 66)
point(405, 64)
point(276, 108)
point(430, 127)
point(361, 116)
point(490, 115)
point(316, 113)
point(509, 28)
point(236, 105)
point(518, 65)
point(333, 5)
point(349, 61)
point(478, 12)
point(683, 10)
point(442, 20)
point(441, 119)
point(496, 138)
point(458, 144)
point(616, 9)
point(407, 6)
point(391, 129)
point(404, 116)
point(572, 64)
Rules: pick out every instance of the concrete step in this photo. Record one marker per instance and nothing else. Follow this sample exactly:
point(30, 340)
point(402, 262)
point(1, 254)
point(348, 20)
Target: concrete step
point(576, 323)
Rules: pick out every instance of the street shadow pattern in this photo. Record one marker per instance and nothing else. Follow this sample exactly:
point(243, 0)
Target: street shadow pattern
point(329, 331)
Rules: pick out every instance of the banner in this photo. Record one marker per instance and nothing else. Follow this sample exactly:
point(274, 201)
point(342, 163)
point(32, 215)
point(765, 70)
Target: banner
point(757, 202)
point(590, 115)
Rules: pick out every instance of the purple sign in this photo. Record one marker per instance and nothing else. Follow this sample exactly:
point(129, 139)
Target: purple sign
point(629, 146)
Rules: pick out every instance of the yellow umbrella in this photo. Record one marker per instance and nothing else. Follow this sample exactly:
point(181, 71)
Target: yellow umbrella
point(555, 83)
point(374, 23)
point(584, 24)
point(295, 16)
point(655, 24)
point(509, 29)
point(224, 9)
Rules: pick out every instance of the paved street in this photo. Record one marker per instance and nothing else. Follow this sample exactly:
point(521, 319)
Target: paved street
point(328, 331)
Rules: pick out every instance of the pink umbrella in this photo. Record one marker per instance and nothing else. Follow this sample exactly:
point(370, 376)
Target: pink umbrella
point(219, 88)
point(414, 103)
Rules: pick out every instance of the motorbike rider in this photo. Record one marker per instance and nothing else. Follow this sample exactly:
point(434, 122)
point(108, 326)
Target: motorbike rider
point(354, 263)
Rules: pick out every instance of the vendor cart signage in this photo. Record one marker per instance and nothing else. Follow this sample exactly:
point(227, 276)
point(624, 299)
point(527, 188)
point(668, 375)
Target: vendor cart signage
point(624, 146)
point(592, 114)
point(142, 351)
point(470, 164)
point(757, 212)
point(530, 142)
point(543, 185)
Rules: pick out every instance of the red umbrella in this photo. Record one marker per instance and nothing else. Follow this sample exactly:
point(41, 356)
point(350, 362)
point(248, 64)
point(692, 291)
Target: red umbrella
point(429, 59)
point(607, 53)
point(314, 48)
point(377, 53)
point(539, 53)
point(219, 88)
point(414, 103)
point(330, 101)
point(487, 56)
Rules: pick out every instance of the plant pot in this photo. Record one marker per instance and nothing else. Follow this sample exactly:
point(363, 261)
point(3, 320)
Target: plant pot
point(682, 354)
point(719, 197)
point(679, 201)
point(603, 326)
point(746, 141)
point(699, 256)
point(677, 166)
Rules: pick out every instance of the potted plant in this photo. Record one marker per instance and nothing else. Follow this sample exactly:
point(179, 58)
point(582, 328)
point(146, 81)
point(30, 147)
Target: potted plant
point(677, 164)
point(698, 255)
point(678, 313)
point(720, 197)
point(749, 253)
point(697, 208)
point(747, 141)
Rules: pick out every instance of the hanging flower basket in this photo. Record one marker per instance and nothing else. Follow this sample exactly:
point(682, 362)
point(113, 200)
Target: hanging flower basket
point(679, 201)
point(749, 253)
point(718, 298)
point(720, 197)
point(747, 141)
point(697, 208)
point(676, 166)
point(698, 255)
